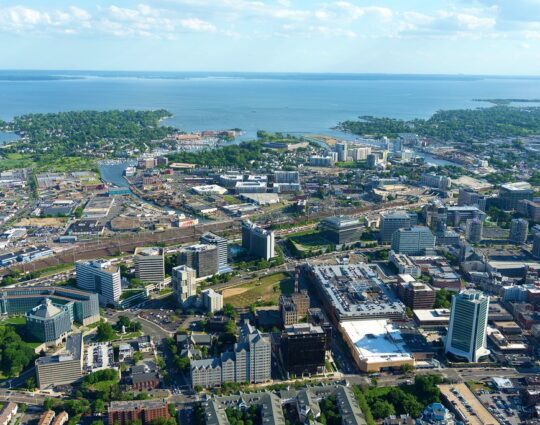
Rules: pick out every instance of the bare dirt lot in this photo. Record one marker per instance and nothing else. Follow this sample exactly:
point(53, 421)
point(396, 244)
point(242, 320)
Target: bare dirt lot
point(43, 222)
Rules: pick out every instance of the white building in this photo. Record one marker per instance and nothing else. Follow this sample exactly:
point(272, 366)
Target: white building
point(184, 283)
point(259, 242)
point(212, 300)
point(102, 277)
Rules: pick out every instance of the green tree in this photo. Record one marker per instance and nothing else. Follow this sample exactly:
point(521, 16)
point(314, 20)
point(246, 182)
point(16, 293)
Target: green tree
point(105, 331)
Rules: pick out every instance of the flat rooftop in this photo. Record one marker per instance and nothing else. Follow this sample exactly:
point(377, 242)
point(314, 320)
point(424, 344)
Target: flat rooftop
point(376, 341)
point(356, 292)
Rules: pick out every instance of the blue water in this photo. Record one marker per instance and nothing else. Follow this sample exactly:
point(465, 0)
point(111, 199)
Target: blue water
point(293, 103)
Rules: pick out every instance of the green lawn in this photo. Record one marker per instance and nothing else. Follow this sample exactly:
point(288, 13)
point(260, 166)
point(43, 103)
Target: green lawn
point(13, 320)
point(260, 291)
point(309, 239)
point(231, 199)
point(16, 160)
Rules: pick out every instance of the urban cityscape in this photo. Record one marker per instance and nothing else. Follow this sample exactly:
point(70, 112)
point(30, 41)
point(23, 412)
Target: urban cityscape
point(338, 223)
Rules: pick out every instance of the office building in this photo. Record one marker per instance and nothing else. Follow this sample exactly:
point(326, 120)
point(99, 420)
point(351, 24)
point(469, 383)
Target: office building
point(404, 264)
point(83, 306)
point(150, 264)
point(415, 295)
point(212, 300)
point(64, 368)
point(372, 160)
point(457, 215)
point(414, 241)
point(184, 283)
point(474, 229)
point(468, 326)
point(511, 193)
point(222, 245)
point(519, 230)
point(341, 150)
point(102, 277)
point(287, 310)
point(201, 258)
point(48, 322)
point(536, 246)
point(250, 361)
point(341, 229)
point(303, 349)
point(529, 209)
point(143, 411)
point(286, 177)
point(392, 221)
point(435, 181)
point(436, 217)
point(257, 241)
point(469, 197)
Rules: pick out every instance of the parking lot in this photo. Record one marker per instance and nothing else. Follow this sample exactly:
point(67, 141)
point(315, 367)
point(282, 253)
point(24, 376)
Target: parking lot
point(505, 407)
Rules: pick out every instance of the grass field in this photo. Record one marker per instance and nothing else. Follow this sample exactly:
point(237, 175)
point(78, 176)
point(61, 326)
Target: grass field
point(309, 239)
point(231, 199)
point(261, 291)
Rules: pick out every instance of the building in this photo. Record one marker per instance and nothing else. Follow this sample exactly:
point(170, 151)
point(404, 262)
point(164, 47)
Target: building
point(257, 241)
point(376, 345)
point(530, 209)
point(83, 306)
point(511, 193)
point(392, 221)
point(251, 187)
point(201, 258)
point(414, 241)
point(519, 230)
point(64, 368)
point(102, 277)
point(287, 311)
point(222, 245)
point(46, 417)
point(61, 418)
point(210, 189)
point(212, 300)
point(354, 292)
point(250, 361)
point(438, 318)
point(536, 246)
point(286, 181)
point(8, 412)
point(473, 230)
point(467, 331)
point(145, 411)
point(457, 215)
point(303, 348)
point(415, 295)
point(341, 229)
point(321, 161)
point(341, 150)
point(469, 197)
point(150, 264)
point(404, 264)
point(48, 322)
point(435, 181)
point(184, 284)
point(143, 378)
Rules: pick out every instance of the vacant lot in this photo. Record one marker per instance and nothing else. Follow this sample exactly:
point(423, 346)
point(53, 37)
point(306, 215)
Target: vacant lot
point(43, 222)
point(263, 291)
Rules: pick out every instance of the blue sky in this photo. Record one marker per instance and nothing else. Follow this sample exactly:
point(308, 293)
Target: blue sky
point(392, 36)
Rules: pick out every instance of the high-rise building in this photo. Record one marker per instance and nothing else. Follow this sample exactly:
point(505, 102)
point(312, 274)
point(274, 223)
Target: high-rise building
point(212, 300)
point(536, 246)
point(413, 241)
point(257, 241)
point(468, 197)
point(64, 368)
point(372, 160)
point(416, 295)
point(48, 322)
point(303, 348)
point(341, 149)
point(467, 332)
point(286, 177)
point(102, 277)
point(184, 284)
point(341, 229)
point(150, 264)
point(392, 221)
point(474, 229)
point(201, 258)
point(511, 193)
point(529, 209)
point(222, 245)
point(436, 216)
point(519, 230)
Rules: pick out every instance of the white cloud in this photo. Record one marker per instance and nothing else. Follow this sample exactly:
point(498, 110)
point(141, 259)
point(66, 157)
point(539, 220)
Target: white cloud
point(197, 24)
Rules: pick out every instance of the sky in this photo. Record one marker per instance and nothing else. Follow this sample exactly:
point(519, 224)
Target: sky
point(350, 36)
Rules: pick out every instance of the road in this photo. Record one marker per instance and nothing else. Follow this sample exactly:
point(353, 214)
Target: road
point(23, 397)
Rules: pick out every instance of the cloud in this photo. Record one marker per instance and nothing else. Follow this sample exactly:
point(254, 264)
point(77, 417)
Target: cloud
point(138, 21)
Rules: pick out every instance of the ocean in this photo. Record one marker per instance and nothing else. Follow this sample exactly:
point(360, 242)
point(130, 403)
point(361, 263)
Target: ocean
point(289, 103)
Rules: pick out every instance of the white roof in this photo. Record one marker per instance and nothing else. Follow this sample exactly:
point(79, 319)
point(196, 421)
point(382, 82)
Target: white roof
point(376, 341)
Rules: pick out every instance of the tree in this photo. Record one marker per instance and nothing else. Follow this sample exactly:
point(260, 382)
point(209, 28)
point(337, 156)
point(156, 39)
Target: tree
point(30, 383)
point(137, 357)
point(49, 403)
point(99, 406)
point(105, 331)
point(22, 407)
point(382, 409)
point(228, 310)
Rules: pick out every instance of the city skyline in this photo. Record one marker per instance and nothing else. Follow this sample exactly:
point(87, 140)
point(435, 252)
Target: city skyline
point(444, 37)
